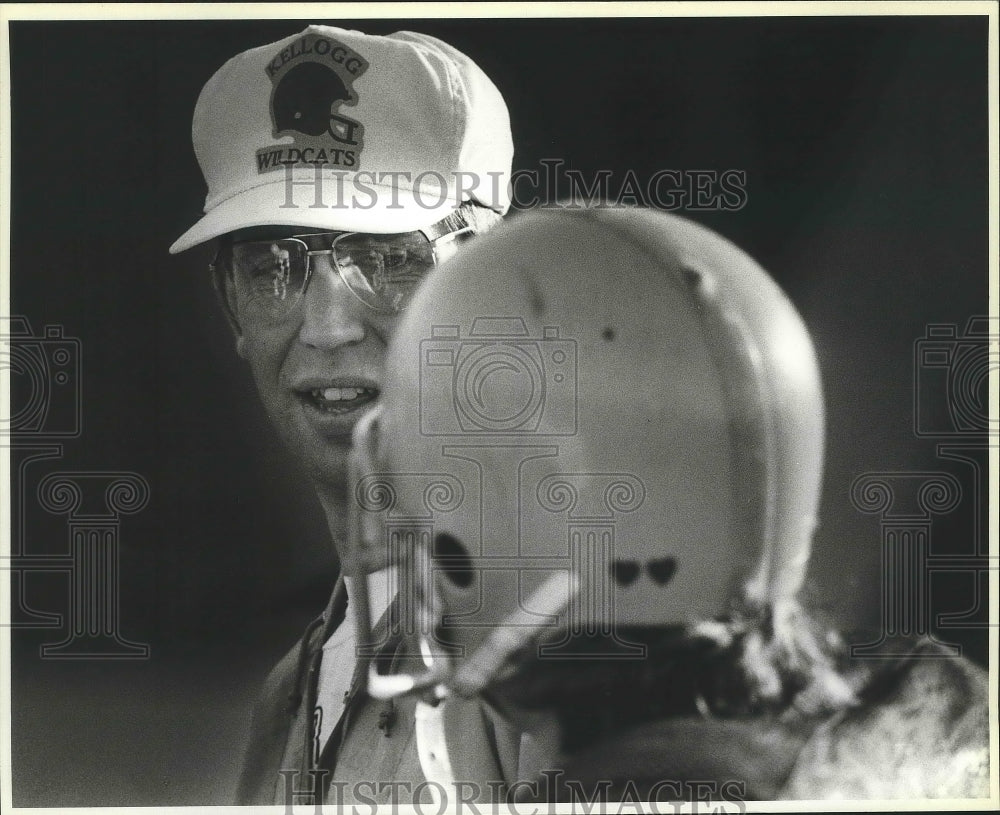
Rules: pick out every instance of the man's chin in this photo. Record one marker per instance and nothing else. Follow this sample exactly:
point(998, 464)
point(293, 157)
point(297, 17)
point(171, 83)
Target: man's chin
point(326, 463)
point(321, 443)
point(323, 457)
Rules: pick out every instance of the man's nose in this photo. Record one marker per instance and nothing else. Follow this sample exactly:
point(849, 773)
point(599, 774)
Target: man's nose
point(331, 315)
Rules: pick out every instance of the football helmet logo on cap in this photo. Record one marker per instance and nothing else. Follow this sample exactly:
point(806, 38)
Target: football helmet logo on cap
point(304, 99)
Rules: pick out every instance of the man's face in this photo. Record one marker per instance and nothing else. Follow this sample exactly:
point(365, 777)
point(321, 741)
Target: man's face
point(319, 368)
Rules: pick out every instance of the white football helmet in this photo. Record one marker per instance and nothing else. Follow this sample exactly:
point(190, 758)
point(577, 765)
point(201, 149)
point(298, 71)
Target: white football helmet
point(593, 422)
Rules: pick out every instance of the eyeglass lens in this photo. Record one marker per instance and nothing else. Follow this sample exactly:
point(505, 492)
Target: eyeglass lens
point(383, 270)
point(270, 274)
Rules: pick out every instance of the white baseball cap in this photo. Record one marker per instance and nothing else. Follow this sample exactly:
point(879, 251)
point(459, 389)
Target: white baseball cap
point(336, 129)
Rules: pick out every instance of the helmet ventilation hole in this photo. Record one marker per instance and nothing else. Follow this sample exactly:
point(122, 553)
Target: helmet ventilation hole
point(691, 277)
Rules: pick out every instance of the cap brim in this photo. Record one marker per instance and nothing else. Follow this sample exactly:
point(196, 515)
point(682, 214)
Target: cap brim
point(345, 205)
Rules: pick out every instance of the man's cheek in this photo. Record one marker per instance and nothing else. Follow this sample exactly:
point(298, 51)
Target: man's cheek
point(264, 361)
point(383, 325)
point(262, 346)
point(253, 351)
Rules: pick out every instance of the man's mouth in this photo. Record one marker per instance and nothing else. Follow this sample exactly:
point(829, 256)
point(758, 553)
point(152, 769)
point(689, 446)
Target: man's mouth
point(339, 399)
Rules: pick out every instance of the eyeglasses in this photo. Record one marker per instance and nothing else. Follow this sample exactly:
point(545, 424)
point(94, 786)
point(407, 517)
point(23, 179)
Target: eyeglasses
point(382, 271)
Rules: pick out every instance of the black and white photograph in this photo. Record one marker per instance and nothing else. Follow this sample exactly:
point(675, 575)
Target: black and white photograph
point(459, 407)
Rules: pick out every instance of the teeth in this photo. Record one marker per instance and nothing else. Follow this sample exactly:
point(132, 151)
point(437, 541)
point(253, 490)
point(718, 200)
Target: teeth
point(339, 394)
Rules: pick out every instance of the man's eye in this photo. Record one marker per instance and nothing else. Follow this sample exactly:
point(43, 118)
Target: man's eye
point(265, 272)
point(271, 279)
point(395, 258)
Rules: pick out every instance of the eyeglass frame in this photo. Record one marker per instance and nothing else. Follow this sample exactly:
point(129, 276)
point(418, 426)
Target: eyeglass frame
point(436, 234)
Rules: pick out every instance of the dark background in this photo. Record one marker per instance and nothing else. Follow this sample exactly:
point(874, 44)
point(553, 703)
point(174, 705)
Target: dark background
point(865, 146)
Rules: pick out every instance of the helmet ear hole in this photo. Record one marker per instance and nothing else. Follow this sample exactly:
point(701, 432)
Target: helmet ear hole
point(452, 559)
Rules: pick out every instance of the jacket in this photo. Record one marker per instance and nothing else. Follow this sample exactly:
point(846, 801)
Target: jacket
point(371, 755)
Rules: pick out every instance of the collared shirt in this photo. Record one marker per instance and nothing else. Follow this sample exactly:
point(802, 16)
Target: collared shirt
point(339, 656)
